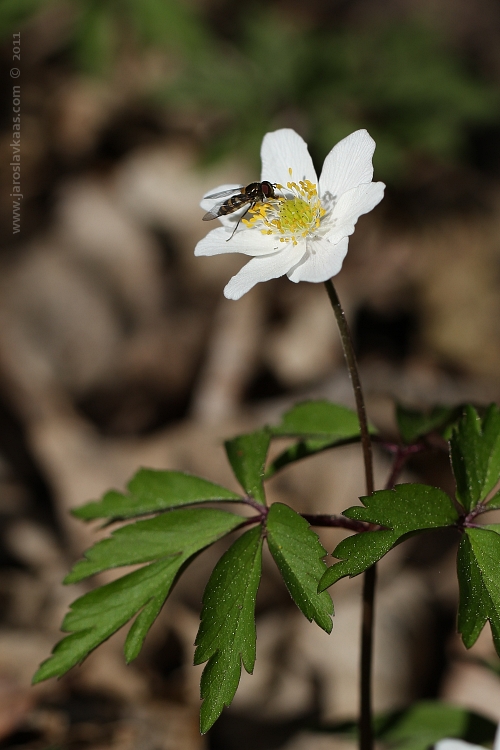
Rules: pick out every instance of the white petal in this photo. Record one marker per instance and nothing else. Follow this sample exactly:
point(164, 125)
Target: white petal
point(246, 241)
point(456, 745)
point(264, 269)
point(323, 260)
point(350, 207)
point(496, 744)
point(348, 164)
point(282, 150)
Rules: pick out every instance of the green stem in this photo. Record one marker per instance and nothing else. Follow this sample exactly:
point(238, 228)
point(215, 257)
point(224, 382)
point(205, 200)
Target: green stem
point(365, 718)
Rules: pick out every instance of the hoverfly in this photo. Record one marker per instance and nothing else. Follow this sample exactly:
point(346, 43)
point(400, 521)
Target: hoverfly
point(255, 192)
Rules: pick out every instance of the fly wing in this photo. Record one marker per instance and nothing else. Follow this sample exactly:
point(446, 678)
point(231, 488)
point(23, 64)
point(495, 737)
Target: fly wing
point(223, 194)
point(220, 196)
point(214, 212)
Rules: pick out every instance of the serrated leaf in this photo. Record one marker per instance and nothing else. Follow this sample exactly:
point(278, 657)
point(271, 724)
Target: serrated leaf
point(358, 553)
point(144, 541)
point(321, 424)
point(298, 554)
point(478, 564)
point(152, 491)
point(227, 636)
point(414, 424)
point(174, 538)
point(247, 455)
point(94, 617)
point(407, 507)
point(321, 419)
point(475, 455)
point(403, 510)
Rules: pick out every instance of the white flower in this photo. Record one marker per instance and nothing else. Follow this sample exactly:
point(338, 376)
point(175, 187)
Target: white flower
point(449, 744)
point(305, 232)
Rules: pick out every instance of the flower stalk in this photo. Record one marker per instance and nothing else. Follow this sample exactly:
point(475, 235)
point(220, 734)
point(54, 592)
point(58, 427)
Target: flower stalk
point(370, 576)
point(352, 366)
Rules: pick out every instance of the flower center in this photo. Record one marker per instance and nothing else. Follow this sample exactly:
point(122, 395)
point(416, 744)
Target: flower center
point(289, 218)
point(295, 215)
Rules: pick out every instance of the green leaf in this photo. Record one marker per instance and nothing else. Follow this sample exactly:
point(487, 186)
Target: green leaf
point(321, 424)
point(321, 419)
point(358, 553)
point(475, 455)
point(478, 564)
point(494, 502)
point(227, 630)
point(423, 724)
point(403, 510)
point(173, 538)
point(152, 491)
point(492, 527)
point(298, 554)
point(247, 455)
point(144, 541)
point(414, 424)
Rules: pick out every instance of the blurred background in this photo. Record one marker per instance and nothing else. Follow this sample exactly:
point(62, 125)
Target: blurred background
point(118, 350)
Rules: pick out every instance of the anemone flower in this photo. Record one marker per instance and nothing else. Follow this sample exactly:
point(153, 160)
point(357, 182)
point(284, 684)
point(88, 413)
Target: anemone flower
point(301, 227)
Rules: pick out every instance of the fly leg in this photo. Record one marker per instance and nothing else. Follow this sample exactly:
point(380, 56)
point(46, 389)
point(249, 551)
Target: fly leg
point(241, 217)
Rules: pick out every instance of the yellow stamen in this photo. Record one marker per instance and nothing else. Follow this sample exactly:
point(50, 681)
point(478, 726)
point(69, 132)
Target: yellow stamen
point(290, 218)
